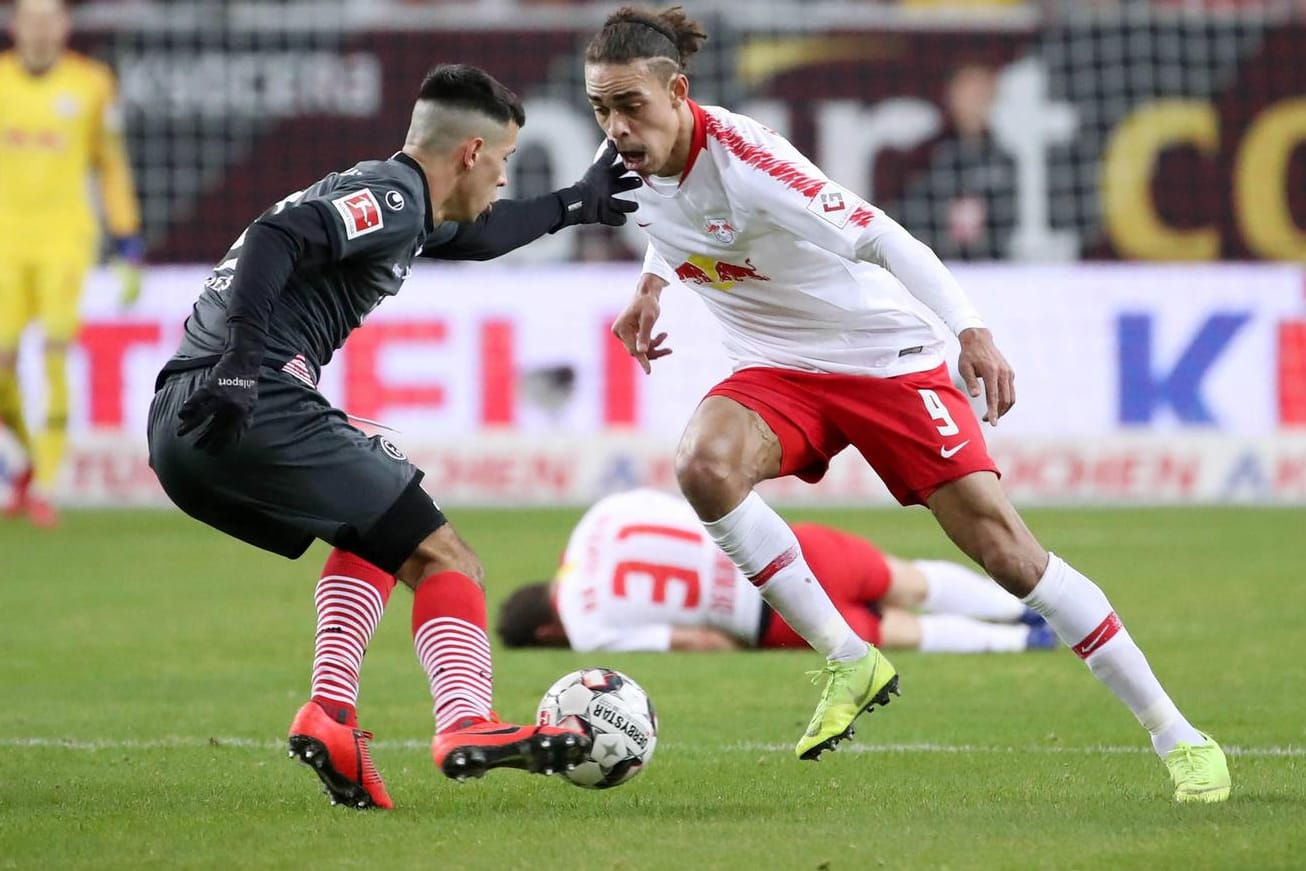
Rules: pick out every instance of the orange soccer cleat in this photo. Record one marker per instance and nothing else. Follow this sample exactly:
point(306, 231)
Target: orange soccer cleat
point(340, 756)
point(42, 513)
point(473, 746)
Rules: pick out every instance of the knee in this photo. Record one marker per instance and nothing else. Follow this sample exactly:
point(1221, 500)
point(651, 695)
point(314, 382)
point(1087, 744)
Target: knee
point(708, 478)
point(1015, 561)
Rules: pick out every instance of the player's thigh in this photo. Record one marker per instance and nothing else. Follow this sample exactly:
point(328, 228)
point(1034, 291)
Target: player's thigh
point(302, 464)
point(58, 283)
point(785, 413)
point(723, 431)
point(17, 302)
point(917, 431)
point(849, 567)
point(204, 486)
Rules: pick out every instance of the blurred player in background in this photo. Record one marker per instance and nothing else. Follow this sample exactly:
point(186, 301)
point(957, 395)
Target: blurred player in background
point(639, 574)
point(242, 440)
point(59, 123)
point(962, 201)
point(814, 289)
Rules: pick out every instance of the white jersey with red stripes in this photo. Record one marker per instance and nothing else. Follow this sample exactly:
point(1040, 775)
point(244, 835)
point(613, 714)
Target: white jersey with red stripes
point(779, 254)
point(640, 563)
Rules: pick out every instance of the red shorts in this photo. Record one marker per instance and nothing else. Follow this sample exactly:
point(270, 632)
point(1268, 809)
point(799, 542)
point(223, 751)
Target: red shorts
point(917, 431)
point(855, 576)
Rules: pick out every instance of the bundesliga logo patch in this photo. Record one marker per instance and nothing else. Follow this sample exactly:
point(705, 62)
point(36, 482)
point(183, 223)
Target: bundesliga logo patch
point(833, 204)
point(360, 212)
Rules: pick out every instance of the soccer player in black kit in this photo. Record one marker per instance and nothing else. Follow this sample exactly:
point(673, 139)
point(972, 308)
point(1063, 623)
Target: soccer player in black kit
point(242, 440)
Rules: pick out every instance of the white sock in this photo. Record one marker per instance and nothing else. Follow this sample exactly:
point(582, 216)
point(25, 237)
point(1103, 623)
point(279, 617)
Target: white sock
point(955, 589)
point(947, 633)
point(764, 548)
point(1080, 614)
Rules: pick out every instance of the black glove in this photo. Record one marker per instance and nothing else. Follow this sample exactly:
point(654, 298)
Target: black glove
point(225, 399)
point(593, 199)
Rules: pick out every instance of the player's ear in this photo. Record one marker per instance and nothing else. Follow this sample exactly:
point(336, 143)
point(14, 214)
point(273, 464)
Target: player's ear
point(471, 151)
point(679, 87)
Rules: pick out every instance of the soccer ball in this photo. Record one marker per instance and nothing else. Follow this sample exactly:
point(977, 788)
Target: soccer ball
point(615, 712)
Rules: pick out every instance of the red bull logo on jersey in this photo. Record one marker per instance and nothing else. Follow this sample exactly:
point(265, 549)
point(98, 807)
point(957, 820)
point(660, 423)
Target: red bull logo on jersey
point(699, 269)
point(720, 230)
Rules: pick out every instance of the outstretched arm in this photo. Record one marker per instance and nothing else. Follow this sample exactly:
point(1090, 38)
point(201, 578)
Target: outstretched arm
point(510, 224)
point(506, 226)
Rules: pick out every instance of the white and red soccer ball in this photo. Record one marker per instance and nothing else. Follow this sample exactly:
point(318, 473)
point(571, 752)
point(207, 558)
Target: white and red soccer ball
point(615, 712)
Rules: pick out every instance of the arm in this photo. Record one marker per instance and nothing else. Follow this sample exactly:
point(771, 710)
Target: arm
point(919, 269)
point(634, 326)
point(510, 224)
point(844, 224)
point(117, 193)
point(273, 248)
point(702, 639)
point(112, 169)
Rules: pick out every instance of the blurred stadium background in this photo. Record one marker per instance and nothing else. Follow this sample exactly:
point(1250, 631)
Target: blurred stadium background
point(1120, 185)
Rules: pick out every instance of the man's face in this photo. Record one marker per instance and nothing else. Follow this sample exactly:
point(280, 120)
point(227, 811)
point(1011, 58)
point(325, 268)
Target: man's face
point(40, 31)
point(969, 98)
point(636, 105)
point(479, 185)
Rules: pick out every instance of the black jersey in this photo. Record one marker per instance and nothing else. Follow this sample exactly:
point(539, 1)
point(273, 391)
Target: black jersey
point(376, 217)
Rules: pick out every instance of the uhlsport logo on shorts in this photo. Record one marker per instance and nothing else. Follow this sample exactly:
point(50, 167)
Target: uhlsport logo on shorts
point(391, 449)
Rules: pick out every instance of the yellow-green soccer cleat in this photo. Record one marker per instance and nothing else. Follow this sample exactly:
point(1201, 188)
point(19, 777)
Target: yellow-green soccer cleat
point(850, 689)
point(1199, 771)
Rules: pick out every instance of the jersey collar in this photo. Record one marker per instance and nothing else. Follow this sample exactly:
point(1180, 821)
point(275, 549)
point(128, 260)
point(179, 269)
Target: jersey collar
point(426, 188)
point(698, 141)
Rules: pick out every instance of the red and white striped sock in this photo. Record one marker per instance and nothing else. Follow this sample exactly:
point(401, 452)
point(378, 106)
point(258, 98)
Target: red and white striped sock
point(1078, 611)
point(449, 635)
point(351, 597)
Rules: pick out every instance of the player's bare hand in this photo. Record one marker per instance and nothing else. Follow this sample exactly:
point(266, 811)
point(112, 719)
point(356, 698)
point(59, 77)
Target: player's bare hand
point(634, 327)
point(982, 361)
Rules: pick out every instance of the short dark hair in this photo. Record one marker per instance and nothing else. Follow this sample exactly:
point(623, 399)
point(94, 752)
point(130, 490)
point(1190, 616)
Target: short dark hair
point(633, 32)
point(467, 87)
point(526, 610)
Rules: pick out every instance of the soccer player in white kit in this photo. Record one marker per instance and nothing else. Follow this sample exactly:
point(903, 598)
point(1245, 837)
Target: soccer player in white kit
point(640, 574)
point(813, 288)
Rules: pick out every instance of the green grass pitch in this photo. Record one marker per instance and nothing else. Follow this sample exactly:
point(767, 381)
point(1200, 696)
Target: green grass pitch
point(150, 667)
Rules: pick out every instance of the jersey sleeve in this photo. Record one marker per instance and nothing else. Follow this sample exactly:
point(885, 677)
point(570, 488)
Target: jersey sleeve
point(795, 194)
point(370, 216)
point(505, 227)
point(656, 264)
point(113, 170)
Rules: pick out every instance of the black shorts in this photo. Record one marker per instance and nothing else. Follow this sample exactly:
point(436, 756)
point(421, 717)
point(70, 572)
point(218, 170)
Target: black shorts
point(300, 472)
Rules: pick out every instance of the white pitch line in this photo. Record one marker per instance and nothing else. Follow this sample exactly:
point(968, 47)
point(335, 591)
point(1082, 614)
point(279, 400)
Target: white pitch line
point(193, 742)
point(1230, 750)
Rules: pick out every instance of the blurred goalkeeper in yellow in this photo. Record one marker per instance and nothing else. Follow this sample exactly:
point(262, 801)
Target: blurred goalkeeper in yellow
point(59, 124)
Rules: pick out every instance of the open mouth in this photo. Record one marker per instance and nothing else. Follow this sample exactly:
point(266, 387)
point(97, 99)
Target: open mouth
point(636, 159)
